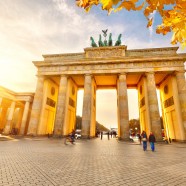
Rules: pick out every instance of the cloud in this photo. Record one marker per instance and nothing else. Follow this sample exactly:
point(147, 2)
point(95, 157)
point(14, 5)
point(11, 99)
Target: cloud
point(152, 16)
point(29, 29)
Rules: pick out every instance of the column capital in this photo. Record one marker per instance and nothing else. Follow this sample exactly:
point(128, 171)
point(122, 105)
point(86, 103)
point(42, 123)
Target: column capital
point(122, 76)
point(88, 75)
point(40, 76)
point(64, 75)
point(150, 72)
point(179, 71)
point(123, 73)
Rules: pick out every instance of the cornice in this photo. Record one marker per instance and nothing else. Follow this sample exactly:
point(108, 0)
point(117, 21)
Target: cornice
point(62, 55)
point(25, 97)
point(7, 90)
point(95, 61)
point(154, 49)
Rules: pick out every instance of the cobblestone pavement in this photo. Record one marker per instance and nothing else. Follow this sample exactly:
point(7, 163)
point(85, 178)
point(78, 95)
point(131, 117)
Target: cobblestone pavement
point(42, 161)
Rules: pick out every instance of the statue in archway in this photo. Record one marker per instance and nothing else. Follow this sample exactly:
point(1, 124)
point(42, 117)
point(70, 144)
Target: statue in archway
point(100, 42)
point(93, 44)
point(110, 40)
point(118, 42)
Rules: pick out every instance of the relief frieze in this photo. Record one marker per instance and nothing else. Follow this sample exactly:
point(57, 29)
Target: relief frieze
point(130, 66)
point(104, 53)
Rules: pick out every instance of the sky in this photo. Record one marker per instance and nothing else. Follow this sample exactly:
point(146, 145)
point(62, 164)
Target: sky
point(31, 28)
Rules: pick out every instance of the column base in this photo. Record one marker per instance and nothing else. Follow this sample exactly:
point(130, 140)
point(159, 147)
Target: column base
point(123, 139)
point(178, 141)
point(7, 128)
point(86, 137)
point(57, 136)
point(31, 135)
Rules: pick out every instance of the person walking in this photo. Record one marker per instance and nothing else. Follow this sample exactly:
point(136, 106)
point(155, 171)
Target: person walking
point(108, 134)
point(144, 140)
point(152, 140)
point(139, 137)
point(101, 135)
point(72, 136)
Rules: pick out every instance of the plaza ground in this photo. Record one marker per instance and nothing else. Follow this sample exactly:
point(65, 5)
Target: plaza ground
point(49, 162)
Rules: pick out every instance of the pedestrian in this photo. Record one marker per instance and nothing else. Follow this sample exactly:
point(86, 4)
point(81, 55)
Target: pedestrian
point(152, 140)
point(144, 139)
point(114, 133)
point(108, 134)
point(101, 135)
point(111, 134)
point(139, 137)
point(72, 136)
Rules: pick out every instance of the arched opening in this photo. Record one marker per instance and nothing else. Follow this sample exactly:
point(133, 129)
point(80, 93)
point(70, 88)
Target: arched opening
point(134, 123)
point(106, 108)
point(79, 109)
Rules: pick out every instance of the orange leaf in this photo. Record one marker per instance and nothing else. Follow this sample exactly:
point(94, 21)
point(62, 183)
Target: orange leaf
point(149, 22)
point(108, 4)
point(128, 5)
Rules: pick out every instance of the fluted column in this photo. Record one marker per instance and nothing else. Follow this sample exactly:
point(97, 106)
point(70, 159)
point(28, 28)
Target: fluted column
point(181, 84)
point(123, 114)
point(61, 106)
point(87, 104)
point(153, 106)
point(24, 118)
point(9, 119)
point(36, 107)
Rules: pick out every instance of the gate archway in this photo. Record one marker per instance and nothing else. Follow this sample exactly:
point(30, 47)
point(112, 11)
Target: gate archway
point(144, 69)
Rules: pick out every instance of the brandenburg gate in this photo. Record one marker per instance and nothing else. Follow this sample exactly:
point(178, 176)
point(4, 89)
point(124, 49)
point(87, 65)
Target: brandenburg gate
point(61, 75)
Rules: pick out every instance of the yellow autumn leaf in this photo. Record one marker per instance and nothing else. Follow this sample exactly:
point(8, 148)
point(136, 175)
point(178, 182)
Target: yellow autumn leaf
point(148, 11)
point(140, 7)
point(173, 16)
point(86, 3)
point(134, 1)
point(108, 4)
point(128, 5)
point(149, 24)
point(158, 29)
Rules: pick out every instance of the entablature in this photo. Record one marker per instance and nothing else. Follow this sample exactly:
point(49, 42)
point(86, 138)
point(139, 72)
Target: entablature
point(112, 53)
point(93, 61)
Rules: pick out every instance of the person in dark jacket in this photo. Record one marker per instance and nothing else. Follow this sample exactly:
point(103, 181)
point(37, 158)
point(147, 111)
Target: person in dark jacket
point(152, 140)
point(72, 136)
point(144, 139)
point(108, 134)
point(101, 135)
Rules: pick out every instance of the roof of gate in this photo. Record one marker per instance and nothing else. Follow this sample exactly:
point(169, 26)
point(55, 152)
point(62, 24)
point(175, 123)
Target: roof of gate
point(105, 63)
point(112, 52)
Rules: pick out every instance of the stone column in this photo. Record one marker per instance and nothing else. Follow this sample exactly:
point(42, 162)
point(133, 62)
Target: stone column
point(9, 119)
point(123, 114)
point(87, 104)
point(36, 107)
point(24, 118)
point(61, 107)
point(153, 106)
point(181, 84)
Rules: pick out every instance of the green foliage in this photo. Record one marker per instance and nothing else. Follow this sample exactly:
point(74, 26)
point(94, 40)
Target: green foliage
point(134, 124)
point(99, 127)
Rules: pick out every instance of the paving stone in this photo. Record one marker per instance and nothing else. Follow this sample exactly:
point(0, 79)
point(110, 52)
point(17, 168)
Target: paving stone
point(48, 162)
